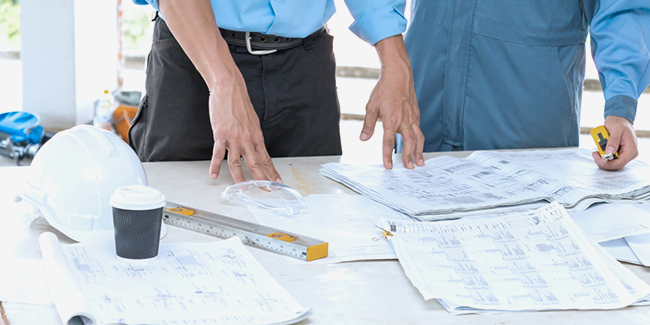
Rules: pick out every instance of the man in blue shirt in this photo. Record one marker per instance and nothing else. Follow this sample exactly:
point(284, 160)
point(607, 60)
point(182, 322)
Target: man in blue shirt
point(509, 74)
point(256, 78)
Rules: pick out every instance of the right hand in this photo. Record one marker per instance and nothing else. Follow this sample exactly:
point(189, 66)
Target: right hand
point(236, 128)
point(622, 139)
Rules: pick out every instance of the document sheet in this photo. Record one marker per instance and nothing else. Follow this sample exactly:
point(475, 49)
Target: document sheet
point(539, 260)
point(23, 281)
point(605, 222)
point(188, 283)
point(489, 179)
point(623, 230)
point(348, 223)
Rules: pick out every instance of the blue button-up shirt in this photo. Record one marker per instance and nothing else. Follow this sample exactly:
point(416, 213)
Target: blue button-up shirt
point(509, 74)
point(374, 20)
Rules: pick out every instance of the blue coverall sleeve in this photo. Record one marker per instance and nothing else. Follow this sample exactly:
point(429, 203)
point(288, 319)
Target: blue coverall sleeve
point(153, 3)
point(620, 39)
point(375, 20)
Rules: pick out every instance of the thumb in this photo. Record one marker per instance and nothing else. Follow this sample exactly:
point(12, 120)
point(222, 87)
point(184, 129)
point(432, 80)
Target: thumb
point(613, 143)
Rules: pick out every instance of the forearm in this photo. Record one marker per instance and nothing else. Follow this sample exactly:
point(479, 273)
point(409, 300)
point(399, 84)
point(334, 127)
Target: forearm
point(195, 28)
point(620, 35)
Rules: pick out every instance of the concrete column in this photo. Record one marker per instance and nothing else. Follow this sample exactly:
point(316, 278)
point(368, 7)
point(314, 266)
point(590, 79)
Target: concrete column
point(69, 56)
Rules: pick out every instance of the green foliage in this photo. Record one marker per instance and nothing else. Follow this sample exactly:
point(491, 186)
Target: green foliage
point(135, 24)
point(136, 21)
point(9, 24)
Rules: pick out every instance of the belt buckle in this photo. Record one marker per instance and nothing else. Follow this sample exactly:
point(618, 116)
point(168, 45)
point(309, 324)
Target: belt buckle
point(255, 52)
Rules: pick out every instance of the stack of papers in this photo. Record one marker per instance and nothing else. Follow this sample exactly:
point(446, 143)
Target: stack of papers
point(188, 283)
point(534, 261)
point(622, 229)
point(489, 179)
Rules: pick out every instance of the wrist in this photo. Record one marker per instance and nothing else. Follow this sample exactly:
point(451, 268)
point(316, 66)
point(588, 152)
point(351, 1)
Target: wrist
point(222, 75)
point(392, 55)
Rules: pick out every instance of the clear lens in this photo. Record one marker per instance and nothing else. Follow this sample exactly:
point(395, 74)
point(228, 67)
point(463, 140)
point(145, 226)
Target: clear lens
point(273, 196)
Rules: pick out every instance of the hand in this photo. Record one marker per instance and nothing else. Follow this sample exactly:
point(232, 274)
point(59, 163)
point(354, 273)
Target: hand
point(622, 139)
point(236, 128)
point(393, 100)
point(235, 125)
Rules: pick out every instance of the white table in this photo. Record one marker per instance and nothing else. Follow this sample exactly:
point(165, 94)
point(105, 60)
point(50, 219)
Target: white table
point(374, 292)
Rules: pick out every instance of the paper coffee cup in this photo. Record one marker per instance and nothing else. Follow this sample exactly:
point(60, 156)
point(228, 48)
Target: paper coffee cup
point(137, 219)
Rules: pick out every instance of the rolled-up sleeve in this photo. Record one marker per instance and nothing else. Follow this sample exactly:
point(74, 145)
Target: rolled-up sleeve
point(153, 3)
point(620, 36)
point(375, 20)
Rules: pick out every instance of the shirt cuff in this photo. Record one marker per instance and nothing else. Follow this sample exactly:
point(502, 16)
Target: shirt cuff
point(622, 106)
point(378, 24)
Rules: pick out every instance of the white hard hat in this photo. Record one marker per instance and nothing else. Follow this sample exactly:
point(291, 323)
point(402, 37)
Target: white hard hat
point(72, 176)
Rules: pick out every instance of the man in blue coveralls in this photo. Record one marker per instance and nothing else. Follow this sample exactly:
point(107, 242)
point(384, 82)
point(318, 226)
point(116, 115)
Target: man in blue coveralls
point(256, 78)
point(508, 74)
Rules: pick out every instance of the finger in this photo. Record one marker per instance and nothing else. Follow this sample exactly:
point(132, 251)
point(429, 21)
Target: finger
point(263, 169)
point(255, 164)
point(627, 151)
point(598, 159)
point(388, 147)
point(613, 143)
point(270, 171)
point(218, 152)
point(419, 146)
point(260, 164)
point(369, 123)
point(234, 164)
point(419, 136)
point(407, 150)
point(611, 165)
point(628, 147)
point(614, 164)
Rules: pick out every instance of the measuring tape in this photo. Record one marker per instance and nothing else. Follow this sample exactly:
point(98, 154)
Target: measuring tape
point(252, 234)
point(601, 137)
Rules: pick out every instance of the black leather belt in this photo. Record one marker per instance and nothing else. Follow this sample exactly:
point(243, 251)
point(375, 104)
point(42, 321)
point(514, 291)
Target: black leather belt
point(260, 44)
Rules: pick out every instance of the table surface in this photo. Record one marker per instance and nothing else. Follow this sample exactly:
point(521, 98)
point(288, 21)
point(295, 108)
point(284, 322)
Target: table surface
point(369, 292)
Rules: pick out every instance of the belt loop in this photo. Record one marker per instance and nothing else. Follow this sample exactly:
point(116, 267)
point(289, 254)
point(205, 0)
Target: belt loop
point(308, 42)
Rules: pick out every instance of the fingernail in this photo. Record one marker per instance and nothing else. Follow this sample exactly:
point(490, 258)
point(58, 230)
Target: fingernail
point(410, 165)
point(278, 180)
point(214, 176)
point(610, 150)
point(389, 165)
point(364, 136)
point(421, 162)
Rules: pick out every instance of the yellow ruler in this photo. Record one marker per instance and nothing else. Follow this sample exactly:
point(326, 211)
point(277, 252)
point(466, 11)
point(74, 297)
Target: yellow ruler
point(252, 234)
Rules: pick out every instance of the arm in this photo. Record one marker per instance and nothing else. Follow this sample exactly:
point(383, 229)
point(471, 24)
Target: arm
point(393, 99)
point(381, 23)
point(235, 124)
point(620, 44)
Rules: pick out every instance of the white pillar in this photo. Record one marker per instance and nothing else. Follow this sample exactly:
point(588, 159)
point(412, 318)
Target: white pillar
point(69, 56)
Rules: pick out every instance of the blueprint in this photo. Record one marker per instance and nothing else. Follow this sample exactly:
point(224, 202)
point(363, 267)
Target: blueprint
point(490, 179)
point(538, 260)
point(188, 283)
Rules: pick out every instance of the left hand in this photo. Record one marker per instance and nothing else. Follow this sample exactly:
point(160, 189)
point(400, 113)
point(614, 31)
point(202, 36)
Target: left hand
point(393, 100)
point(622, 139)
